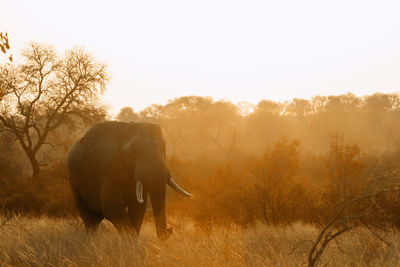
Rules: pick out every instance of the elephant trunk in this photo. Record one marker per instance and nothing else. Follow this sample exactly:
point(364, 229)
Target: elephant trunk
point(151, 177)
point(157, 196)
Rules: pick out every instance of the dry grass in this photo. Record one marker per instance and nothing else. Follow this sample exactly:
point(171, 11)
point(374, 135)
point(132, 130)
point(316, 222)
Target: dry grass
point(49, 242)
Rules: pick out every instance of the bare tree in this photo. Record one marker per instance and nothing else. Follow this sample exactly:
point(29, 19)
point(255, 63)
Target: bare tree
point(47, 91)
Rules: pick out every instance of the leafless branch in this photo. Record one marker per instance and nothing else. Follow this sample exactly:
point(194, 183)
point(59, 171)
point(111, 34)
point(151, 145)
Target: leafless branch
point(340, 224)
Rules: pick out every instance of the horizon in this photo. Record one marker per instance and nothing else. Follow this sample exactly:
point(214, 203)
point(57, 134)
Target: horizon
point(242, 104)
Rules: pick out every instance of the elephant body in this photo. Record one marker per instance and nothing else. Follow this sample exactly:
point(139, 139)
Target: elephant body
point(113, 168)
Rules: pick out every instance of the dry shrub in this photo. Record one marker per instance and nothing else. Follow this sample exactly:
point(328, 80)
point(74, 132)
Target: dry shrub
point(48, 194)
point(279, 194)
point(242, 191)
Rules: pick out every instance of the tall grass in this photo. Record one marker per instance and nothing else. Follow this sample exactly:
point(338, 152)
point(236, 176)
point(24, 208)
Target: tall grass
point(61, 242)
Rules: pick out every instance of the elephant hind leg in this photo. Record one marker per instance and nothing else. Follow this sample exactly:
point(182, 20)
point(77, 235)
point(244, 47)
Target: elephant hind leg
point(91, 219)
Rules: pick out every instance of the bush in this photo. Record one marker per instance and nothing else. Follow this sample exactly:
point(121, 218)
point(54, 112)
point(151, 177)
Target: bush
point(49, 194)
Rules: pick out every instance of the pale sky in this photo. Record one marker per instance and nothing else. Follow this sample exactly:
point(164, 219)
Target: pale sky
point(236, 50)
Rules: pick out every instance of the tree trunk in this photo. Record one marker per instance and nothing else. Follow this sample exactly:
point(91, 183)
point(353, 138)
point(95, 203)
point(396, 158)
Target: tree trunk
point(35, 166)
point(35, 171)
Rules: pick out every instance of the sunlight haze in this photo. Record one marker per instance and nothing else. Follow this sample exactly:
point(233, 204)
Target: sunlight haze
point(234, 50)
point(200, 133)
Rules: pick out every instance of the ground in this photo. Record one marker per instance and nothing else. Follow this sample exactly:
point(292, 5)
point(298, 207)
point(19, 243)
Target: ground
point(63, 242)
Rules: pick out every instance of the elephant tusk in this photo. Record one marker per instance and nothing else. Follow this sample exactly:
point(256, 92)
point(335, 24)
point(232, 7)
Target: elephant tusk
point(177, 188)
point(139, 191)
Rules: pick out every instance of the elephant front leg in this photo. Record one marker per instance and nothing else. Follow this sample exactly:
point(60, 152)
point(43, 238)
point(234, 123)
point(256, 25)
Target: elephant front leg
point(114, 209)
point(136, 210)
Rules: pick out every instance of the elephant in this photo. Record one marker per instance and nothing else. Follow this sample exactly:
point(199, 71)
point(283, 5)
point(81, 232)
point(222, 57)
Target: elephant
point(113, 168)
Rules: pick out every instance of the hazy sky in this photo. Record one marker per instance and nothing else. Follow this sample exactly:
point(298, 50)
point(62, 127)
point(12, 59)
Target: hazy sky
point(236, 50)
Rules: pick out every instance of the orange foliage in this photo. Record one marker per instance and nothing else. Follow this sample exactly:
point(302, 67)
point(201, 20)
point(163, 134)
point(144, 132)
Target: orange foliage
point(346, 175)
point(239, 167)
point(279, 195)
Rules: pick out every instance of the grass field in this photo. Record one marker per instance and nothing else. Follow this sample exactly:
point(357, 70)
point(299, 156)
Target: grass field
point(50, 242)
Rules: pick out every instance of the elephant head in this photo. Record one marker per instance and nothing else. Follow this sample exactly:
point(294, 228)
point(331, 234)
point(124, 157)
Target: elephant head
point(145, 155)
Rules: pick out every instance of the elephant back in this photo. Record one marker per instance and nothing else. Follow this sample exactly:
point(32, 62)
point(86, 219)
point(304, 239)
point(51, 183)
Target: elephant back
point(112, 131)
